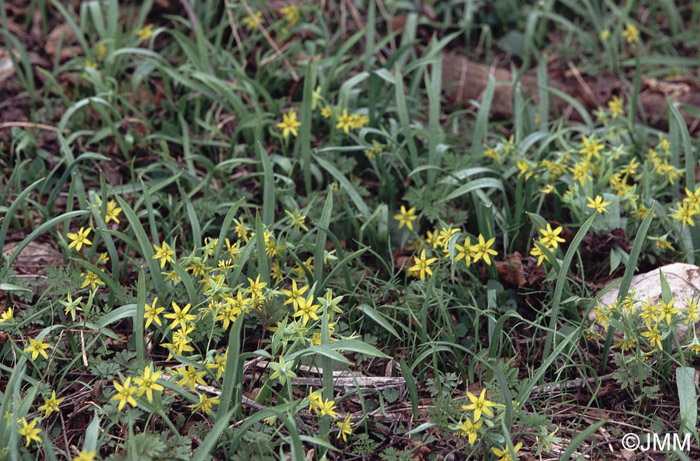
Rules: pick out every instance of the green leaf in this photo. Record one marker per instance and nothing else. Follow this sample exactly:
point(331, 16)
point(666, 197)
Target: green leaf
point(92, 433)
point(268, 214)
point(378, 317)
point(687, 398)
point(12, 287)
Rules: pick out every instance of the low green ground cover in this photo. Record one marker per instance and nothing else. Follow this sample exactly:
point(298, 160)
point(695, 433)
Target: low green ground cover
point(247, 203)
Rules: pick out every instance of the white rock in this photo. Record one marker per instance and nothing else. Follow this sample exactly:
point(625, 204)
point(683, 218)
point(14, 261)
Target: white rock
point(683, 279)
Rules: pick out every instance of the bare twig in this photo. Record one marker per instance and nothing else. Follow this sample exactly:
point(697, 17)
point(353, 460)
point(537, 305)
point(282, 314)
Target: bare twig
point(40, 126)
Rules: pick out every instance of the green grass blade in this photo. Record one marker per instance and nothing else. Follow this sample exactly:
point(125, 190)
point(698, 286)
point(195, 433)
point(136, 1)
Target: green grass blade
point(320, 248)
point(561, 280)
point(304, 139)
point(404, 119)
point(411, 387)
point(138, 323)
point(574, 103)
point(435, 135)
point(231, 391)
point(268, 214)
point(482, 118)
point(11, 211)
point(145, 246)
point(41, 229)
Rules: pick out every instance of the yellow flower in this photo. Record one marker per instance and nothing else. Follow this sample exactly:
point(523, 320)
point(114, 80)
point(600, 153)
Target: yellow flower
point(359, 121)
point(315, 400)
point(604, 34)
point(631, 33)
point(253, 21)
point(421, 266)
point(124, 393)
point(550, 237)
point(345, 427)
point(101, 51)
point(112, 212)
point(181, 342)
point(239, 303)
point(326, 111)
point(147, 383)
point(479, 405)
point(289, 123)
point(79, 239)
point(37, 348)
point(51, 404)
point(152, 312)
point(506, 455)
point(190, 376)
point(205, 404)
point(582, 171)
point(468, 429)
point(598, 204)
point(294, 296)
point(327, 407)
point(667, 310)
point(591, 147)
point(164, 254)
point(91, 279)
point(291, 14)
point(548, 189)
point(691, 313)
point(180, 316)
point(297, 220)
point(241, 231)
point(146, 32)
point(483, 249)
point(307, 310)
point(229, 313)
point(7, 316)
point(464, 251)
point(345, 121)
point(172, 275)
point(86, 456)
point(539, 254)
point(685, 214)
point(197, 268)
point(406, 218)
point(445, 235)
point(256, 287)
point(626, 343)
point(219, 364)
point(694, 346)
point(29, 431)
point(653, 336)
point(615, 106)
point(490, 152)
point(315, 97)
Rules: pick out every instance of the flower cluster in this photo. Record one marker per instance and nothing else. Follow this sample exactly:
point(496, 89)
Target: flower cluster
point(550, 240)
point(322, 407)
point(647, 321)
